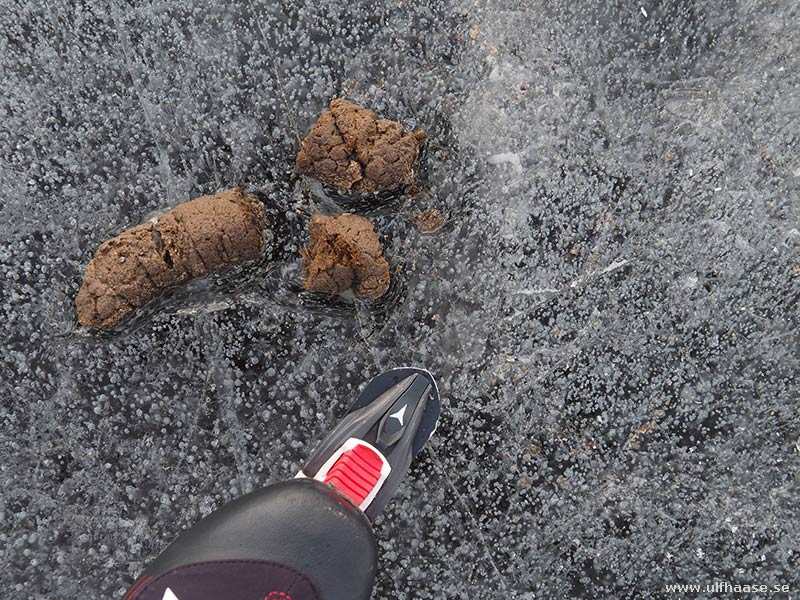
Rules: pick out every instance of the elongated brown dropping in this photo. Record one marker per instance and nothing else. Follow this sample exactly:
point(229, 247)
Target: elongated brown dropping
point(192, 239)
point(345, 253)
point(351, 149)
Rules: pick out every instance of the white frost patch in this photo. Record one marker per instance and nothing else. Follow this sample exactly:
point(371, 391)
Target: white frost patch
point(535, 291)
point(507, 157)
point(211, 307)
point(741, 243)
point(614, 266)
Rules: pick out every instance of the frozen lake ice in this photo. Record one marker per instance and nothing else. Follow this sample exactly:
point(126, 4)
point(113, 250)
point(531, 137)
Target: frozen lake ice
point(611, 307)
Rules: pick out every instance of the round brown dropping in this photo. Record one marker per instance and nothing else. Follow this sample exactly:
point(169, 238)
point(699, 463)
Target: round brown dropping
point(370, 154)
point(344, 253)
point(428, 221)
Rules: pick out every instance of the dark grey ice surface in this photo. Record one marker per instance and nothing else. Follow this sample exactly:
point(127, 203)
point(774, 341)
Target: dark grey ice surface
point(611, 308)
